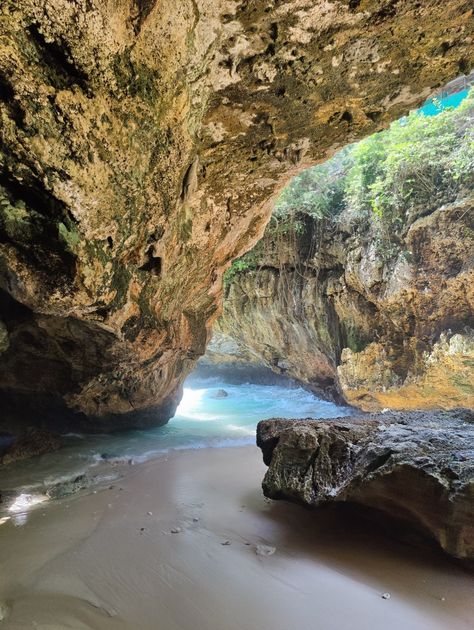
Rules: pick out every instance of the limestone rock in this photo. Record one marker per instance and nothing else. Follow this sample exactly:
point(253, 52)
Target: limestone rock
point(29, 444)
point(141, 146)
point(68, 487)
point(384, 331)
point(417, 467)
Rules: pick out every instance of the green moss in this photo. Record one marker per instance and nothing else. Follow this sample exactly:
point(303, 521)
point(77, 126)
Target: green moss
point(239, 266)
point(135, 79)
point(356, 340)
point(16, 221)
point(69, 236)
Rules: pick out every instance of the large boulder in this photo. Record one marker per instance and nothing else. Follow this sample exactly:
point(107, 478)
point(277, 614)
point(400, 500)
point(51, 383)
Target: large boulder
point(416, 467)
point(31, 443)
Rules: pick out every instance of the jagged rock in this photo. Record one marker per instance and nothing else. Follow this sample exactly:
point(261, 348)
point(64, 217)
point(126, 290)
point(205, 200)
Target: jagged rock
point(30, 443)
point(417, 467)
point(141, 144)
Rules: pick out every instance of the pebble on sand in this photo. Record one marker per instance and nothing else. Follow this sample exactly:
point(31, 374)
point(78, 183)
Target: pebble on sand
point(3, 611)
point(264, 550)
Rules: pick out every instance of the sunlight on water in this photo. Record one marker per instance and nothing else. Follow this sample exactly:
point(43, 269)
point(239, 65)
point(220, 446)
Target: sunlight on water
point(205, 417)
point(190, 403)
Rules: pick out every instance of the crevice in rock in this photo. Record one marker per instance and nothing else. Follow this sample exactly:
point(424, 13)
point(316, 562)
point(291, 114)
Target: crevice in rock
point(7, 95)
point(379, 461)
point(142, 9)
point(34, 196)
point(12, 311)
point(153, 264)
point(46, 216)
point(57, 61)
point(354, 4)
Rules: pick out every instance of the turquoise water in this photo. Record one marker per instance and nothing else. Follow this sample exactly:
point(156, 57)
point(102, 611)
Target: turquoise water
point(201, 421)
point(432, 107)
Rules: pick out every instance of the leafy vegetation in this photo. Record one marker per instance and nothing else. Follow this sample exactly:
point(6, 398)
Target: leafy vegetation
point(238, 266)
point(318, 191)
point(420, 162)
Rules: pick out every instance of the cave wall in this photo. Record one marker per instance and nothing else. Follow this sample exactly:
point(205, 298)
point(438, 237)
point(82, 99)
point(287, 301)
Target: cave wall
point(141, 145)
point(382, 323)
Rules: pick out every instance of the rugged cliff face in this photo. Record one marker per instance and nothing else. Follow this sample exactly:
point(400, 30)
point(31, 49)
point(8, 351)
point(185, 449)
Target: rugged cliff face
point(141, 145)
point(384, 322)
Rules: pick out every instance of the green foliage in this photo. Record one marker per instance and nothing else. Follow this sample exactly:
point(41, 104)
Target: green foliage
point(240, 265)
point(317, 191)
point(70, 237)
point(418, 162)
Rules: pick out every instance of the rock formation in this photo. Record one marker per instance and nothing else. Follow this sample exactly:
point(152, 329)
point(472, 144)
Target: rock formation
point(141, 144)
point(385, 324)
point(30, 443)
point(417, 467)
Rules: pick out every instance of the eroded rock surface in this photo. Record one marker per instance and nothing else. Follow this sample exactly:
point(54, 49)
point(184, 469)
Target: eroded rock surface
point(384, 324)
point(141, 144)
point(29, 444)
point(417, 467)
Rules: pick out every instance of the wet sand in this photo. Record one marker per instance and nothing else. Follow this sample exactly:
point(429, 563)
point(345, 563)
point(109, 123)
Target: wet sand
point(101, 561)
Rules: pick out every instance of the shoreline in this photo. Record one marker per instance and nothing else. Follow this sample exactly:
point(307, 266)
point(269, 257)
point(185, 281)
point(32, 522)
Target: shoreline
point(109, 559)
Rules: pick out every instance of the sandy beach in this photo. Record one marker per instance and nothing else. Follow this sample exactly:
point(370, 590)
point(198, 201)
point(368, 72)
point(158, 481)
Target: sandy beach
point(110, 560)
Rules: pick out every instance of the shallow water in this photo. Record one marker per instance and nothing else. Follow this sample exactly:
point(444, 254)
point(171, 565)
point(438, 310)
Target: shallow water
point(202, 420)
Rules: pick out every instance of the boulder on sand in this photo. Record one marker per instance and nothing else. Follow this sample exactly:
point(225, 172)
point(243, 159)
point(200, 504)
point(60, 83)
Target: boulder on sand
point(416, 467)
point(30, 443)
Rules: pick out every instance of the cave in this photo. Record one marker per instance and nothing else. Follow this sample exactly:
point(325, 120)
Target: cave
point(280, 190)
point(318, 299)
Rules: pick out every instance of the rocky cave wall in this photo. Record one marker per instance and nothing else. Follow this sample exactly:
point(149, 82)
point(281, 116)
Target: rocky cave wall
point(141, 144)
point(382, 323)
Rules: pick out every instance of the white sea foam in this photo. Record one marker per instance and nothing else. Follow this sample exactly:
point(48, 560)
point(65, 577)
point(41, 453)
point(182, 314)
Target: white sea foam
point(202, 420)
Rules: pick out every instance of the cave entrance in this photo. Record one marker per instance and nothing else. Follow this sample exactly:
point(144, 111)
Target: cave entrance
point(346, 244)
